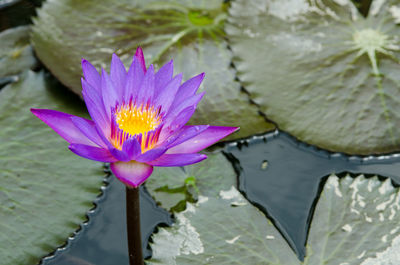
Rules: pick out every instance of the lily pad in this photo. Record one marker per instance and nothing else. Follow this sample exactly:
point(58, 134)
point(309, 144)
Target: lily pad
point(321, 71)
point(16, 54)
point(174, 186)
point(355, 221)
point(190, 32)
point(45, 190)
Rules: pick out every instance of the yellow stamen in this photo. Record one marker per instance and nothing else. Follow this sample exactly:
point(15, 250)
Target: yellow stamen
point(134, 120)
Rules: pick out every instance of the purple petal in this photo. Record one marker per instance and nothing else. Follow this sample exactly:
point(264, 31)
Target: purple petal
point(88, 128)
point(189, 88)
point(132, 148)
point(163, 76)
point(91, 75)
point(118, 75)
point(140, 57)
point(92, 153)
point(177, 160)
point(176, 124)
point(167, 95)
point(110, 97)
point(203, 140)
point(120, 155)
point(146, 90)
point(133, 80)
point(188, 132)
point(151, 154)
point(131, 173)
point(95, 106)
point(190, 102)
point(182, 118)
point(62, 124)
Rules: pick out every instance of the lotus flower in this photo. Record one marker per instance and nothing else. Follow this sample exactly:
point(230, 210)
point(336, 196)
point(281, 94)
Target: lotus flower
point(139, 119)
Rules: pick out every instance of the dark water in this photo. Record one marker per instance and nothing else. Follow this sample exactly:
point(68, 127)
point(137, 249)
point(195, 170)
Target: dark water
point(103, 241)
point(284, 177)
point(17, 12)
point(278, 174)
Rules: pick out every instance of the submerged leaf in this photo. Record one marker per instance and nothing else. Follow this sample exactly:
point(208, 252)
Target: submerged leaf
point(172, 187)
point(321, 71)
point(45, 190)
point(355, 221)
point(190, 32)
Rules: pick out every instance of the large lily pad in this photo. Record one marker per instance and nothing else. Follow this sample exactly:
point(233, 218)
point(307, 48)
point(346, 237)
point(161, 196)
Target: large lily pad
point(321, 71)
point(45, 190)
point(16, 54)
point(191, 32)
point(355, 221)
point(174, 186)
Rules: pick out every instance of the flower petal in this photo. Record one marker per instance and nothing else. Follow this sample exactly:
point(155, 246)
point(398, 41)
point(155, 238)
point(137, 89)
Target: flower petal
point(95, 106)
point(177, 160)
point(203, 140)
point(133, 80)
point(173, 125)
point(140, 58)
point(176, 109)
point(182, 118)
point(151, 154)
point(109, 94)
point(167, 95)
point(132, 148)
point(131, 173)
point(88, 128)
point(62, 124)
point(189, 88)
point(188, 132)
point(146, 90)
point(92, 153)
point(163, 76)
point(91, 74)
point(118, 75)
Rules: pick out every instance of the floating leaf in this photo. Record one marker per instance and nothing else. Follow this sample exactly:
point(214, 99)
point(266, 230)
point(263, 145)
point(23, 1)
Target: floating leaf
point(321, 71)
point(355, 220)
point(45, 190)
point(172, 187)
point(191, 32)
point(16, 54)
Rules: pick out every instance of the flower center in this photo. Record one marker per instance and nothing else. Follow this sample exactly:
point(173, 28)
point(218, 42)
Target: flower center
point(140, 122)
point(135, 120)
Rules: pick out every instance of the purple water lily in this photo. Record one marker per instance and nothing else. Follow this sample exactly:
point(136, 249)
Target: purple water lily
point(139, 119)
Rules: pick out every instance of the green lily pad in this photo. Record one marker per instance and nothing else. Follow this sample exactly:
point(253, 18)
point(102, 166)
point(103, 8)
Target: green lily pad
point(172, 187)
point(16, 54)
point(190, 32)
point(45, 190)
point(321, 71)
point(355, 222)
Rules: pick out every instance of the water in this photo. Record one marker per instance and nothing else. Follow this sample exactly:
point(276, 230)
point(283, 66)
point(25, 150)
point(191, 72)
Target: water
point(284, 177)
point(102, 240)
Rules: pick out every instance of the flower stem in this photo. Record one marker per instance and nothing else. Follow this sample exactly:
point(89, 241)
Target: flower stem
point(133, 225)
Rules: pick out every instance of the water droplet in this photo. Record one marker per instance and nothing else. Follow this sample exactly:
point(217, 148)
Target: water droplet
point(264, 165)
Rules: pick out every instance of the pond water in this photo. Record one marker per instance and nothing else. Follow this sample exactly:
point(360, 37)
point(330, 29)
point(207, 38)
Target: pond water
point(274, 170)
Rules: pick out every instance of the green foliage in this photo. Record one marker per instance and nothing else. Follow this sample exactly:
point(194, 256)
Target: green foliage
point(321, 71)
point(190, 32)
point(355, 222)
point(45, 190)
